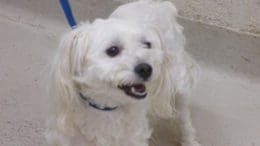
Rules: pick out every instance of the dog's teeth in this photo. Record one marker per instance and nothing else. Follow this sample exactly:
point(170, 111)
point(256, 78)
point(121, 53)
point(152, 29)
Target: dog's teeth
point(137, 93)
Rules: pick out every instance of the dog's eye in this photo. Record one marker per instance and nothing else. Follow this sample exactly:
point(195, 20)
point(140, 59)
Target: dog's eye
point(147, 44)
point(113, 51)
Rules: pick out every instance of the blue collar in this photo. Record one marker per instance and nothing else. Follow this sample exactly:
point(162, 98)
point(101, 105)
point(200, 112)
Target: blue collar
point(93, 104)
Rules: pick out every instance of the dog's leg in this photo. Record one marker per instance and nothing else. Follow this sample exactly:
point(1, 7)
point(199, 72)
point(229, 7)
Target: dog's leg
point(187, 131)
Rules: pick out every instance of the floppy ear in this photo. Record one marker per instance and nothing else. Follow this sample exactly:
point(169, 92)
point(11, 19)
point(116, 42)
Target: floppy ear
point(178, 76)
point(68, 63)
point(178, 72)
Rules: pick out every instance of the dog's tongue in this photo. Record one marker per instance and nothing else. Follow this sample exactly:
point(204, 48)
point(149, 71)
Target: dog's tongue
point(139, 88)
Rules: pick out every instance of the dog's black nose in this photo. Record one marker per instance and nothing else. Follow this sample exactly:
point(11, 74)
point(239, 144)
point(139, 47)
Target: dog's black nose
point(143, 70)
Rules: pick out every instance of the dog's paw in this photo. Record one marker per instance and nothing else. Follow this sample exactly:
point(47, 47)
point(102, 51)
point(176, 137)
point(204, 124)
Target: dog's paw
point(190, 143)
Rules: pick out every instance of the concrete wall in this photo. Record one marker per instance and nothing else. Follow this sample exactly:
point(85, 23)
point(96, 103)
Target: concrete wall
point(237, 15)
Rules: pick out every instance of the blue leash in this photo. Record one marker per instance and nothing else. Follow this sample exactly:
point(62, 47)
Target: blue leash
point(68, 13)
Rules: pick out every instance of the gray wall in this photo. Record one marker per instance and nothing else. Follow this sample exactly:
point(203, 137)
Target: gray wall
point(237, 15)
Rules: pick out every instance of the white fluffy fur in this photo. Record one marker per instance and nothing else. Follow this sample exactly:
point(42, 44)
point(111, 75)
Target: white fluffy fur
point(83, 66)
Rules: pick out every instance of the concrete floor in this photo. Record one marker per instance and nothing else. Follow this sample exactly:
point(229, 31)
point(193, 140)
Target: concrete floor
point(225, 105)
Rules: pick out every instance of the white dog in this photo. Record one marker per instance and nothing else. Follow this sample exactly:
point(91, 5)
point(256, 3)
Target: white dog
point(112, 76)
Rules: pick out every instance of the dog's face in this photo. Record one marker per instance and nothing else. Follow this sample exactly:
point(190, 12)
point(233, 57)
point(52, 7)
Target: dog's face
point(119, 61)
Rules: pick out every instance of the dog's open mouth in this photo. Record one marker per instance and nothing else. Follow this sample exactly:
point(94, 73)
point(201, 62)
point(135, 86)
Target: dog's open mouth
point(137, 91)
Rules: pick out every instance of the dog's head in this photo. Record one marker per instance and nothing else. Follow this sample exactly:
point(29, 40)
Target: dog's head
point(112, 61)
point(119, 62)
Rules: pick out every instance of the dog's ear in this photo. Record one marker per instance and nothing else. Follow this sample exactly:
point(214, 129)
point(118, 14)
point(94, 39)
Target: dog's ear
point(178, 72)
point(178, 76)
point(68, 63)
